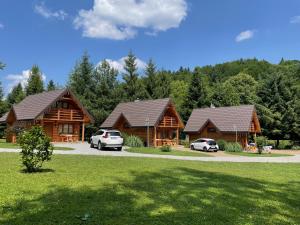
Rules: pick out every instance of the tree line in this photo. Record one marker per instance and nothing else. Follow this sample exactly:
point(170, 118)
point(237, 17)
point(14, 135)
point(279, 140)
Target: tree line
point(273, 88)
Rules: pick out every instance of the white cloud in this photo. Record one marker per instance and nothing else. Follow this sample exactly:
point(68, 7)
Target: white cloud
point(245, 35)
point(47, 13)
point(1, 26)
point(15, 79)
point(121, 19)
point(295, 19)
point(119, 64)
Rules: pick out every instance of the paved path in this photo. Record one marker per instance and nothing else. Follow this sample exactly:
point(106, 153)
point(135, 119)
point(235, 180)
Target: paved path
point(84, 149)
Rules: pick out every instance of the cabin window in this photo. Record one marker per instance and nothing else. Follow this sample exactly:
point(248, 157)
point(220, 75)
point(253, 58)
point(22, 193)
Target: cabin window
point(62, 105)
point(211, 129)
point(65, 128)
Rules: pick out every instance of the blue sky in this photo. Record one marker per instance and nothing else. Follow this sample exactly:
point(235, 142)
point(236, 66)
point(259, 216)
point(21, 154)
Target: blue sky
point(54, 34)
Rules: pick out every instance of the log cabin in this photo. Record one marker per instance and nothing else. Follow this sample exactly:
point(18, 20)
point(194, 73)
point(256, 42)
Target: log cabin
point(59, 112)
point(157, 120)
point(233, 124)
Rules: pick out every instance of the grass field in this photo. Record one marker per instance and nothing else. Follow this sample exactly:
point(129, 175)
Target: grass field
point(173, 152)
point(250, 154)
point(76, 190)
point(4, 144)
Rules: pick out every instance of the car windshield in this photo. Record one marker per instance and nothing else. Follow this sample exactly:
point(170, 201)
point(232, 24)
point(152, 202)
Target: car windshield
point(211, 142)
point(114, 134)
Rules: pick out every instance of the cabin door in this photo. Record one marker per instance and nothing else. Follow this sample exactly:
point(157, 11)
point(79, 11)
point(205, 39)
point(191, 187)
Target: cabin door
point(48, 128)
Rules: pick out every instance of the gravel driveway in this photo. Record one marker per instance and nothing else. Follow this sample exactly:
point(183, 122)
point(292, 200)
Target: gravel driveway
point(84, 149)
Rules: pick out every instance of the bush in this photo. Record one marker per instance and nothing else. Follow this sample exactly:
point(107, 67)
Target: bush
point(166, 148)
point(185, 143)
point(36, 148)
point(233, 147)
point(296, 147)
point(221, 143)
point(133, 141)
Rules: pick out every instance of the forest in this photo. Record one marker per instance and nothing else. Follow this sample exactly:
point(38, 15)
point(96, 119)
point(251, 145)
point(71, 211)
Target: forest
point(273, 88)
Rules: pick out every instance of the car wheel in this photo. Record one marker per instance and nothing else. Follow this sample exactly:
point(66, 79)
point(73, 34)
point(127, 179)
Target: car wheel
point(215, 150)
point(92, 145)
point(119, 148)
point(205, 149)
point(99, 147)
point(192, 147)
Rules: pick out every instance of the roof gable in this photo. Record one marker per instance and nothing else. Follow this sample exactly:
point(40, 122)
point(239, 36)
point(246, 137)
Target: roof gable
point(226, 119)
point(35, 105)
point(137, 112)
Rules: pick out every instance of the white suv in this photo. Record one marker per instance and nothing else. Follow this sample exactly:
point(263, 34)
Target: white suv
point(205, 144)
point(107, 139)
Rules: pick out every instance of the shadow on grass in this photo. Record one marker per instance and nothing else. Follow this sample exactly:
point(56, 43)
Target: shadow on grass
point(179, 197)
point(42, 170)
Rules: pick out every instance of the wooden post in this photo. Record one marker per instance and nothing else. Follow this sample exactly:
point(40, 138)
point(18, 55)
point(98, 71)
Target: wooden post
point(82, 133)
point(255, 138)
point(71, 114)
point(154, 136)
point(177, 136)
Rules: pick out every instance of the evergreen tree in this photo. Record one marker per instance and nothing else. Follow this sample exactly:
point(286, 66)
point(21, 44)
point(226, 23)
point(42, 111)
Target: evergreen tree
point(162, 85)
point(3, 105)
point(276, 107)
point(81, 81)
point(134, 88)
point(106, 90)
point(35, 83)
point(150, 79)
point(198, 94)
point(16, 95)
point(51, 86)
point(179, 90)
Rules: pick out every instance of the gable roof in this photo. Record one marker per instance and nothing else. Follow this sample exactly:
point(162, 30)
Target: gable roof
point(224, 118)
point(34, 105)
point(137, 112)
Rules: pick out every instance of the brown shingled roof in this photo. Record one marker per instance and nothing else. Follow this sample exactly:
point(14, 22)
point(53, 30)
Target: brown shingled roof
point(137, 112)
point(34, 105)
point(224, 118)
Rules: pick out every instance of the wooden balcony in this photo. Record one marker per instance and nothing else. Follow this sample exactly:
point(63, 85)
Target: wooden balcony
point(168, 122)
point(64, 115)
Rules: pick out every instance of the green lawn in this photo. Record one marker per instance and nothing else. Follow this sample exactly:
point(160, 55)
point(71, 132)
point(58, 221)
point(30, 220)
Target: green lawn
point(129, 191)
point(4, 144)
point(250, 154)
point(173, 152)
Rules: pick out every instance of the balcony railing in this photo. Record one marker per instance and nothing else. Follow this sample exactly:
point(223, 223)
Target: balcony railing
point(64, 115)
point(168, 122)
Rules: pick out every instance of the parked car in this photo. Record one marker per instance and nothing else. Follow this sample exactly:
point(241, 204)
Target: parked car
point(107, 139)
point(205, 144)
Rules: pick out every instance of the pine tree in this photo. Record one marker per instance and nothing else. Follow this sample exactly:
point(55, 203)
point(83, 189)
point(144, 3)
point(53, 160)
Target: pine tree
point(35, 83)
point(16, 95)
point(3, 105)
point(106, 90)
point(51, 86)
point(198, 94)
point(81, 80)
point(162, 85)
point(134, 88)
point(150, 79)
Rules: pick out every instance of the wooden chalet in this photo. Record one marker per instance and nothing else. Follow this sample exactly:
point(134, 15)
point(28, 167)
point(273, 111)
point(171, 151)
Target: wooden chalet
point(59, 112)
point(156, 118)
point(231, 124)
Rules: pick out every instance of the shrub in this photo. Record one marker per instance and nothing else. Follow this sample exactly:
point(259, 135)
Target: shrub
point(233, 147)
point(166, 148)
point(36, 148)
point(185, 143)
point(296, 147)
point(221, 143)
point(133, 141)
